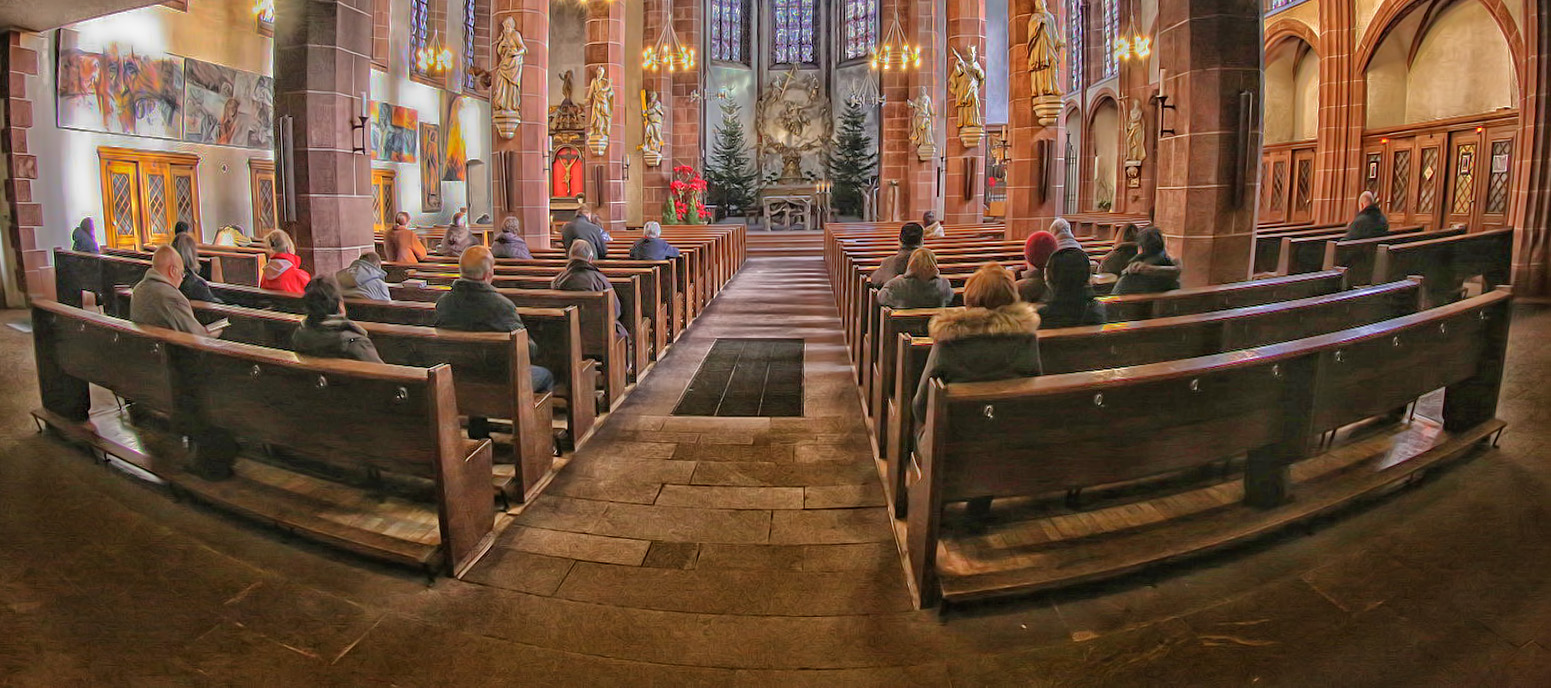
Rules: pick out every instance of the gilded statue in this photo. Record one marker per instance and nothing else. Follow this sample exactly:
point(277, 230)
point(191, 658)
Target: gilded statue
point(510, 52)
point(600, 102)
point(965, 84)
point(1045, 46)
point(652, 115)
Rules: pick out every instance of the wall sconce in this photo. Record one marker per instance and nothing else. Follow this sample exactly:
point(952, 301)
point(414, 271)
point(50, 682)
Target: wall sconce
point(1160, 100)
point(358, 123)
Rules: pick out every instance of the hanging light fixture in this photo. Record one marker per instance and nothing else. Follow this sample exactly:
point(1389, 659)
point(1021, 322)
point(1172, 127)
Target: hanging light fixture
point(1135, 45)
point(669, 53)
point(434, 57)
point(264, 10)
point(895, 51)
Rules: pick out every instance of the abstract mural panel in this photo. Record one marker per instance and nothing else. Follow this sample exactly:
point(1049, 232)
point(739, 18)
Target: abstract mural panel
point(119, 90)
point(226, 106)
point(394, 132)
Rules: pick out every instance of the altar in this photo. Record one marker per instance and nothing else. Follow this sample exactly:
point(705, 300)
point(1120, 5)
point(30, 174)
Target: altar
point(791, 207)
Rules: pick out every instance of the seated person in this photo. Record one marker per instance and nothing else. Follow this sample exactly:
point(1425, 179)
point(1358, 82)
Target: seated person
point(474, 305)
point(1370, 222)
point(84, 238)
point(1037, 250)
point(194, 287)
point(231, 235)
point(1062, 230)
point(156, 300)
point(1069, 301)
point(1152, 270)
point(364, 278)
point(933, 227)
point(651, 246)
point(584, 226)
point(326, 332)
point(581, 275)
point(509, 243)
point(458, 237)
point(922, 286)
point(181, 227)
point(401, 243)
point(1125, 249)
point(283, 271)
point(910, 238)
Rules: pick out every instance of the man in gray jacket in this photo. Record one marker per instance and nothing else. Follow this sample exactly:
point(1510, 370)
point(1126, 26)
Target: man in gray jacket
point(156, 300)
point(584, 226)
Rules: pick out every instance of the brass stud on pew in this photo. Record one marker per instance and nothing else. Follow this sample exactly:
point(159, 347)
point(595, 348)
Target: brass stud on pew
point(1195, 385)
point(1339, 357)
point(115, 337)
point(321, 382)
point(401, 395)
point(1443, 328)
point(1098, 399)
point(1276, 370)
point(254, 371)
point(988, 411)
point(1395, 341)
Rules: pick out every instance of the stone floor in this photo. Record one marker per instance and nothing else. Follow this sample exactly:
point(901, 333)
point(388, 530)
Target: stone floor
point(690, 551)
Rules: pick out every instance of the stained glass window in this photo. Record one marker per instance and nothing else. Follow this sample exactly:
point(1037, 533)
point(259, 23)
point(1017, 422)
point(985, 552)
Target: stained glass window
point(794, 20)
point(419, 30)
point(471, 18)
point(729, 29)
point(860, 31)
point(1074, 44)
point(1111, 31)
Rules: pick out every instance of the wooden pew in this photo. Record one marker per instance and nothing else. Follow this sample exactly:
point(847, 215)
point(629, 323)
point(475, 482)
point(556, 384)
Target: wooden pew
point(490, 370)
point(1357, 255)
point(75, 273)
point(1098, 347)
point(1300, 254)
point(375, 418)
point(1445, 264)
point(1268, 244)
point(996, 439)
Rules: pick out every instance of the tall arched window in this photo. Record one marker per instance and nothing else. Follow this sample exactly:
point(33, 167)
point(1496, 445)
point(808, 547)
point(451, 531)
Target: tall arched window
point(860, 31)
point(419, 31)
point(1074, 44)
point(794, 20)
point(476, 40)
point(1111, 31)
point(729, 30)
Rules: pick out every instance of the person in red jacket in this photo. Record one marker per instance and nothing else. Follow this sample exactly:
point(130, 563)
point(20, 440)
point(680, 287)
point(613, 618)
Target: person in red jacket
point(283, 271)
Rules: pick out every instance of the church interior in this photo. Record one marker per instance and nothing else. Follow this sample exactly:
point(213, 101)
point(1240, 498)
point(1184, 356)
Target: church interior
point(775, 342)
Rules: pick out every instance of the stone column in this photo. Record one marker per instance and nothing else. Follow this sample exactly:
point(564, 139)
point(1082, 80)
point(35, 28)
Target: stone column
point(686, 106)
point(322, 64)
point(1212, 49)
point(1027, 139)
point(527, 195)
point(1342, 115)
point(894, 150)
point(655, 179)
point(33, 272)
point(966, 164)
point(606, 49)
point(926, 22)
point(1532, 207)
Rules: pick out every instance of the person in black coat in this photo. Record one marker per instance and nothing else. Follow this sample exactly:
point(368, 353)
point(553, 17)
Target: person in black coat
point(652, 246)
point(1370, 222)
point(1070, 301)
point(474, 305)
point(194, 287)
point(326, 332)
point(1152, 270)
point(584, 227)
point(910, 238)
point(84, 238)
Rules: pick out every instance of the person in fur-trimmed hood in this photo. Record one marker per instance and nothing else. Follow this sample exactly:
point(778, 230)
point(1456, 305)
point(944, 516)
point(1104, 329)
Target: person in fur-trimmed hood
point(992, 338)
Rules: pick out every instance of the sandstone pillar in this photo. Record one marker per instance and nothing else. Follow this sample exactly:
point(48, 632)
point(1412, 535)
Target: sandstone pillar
point(655, 180)
point(322, 64)
point(964, 185)
point(606, 49)
point(1206, 172)
point(526, 195)
point(686, 108)
point(1033, 168)
point(1342, 115)
point(1532, 257)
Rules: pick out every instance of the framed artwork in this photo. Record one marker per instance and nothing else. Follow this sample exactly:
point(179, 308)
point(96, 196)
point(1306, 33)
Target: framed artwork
point(430, 168)
point(393, 132)
point(457, 145)
point(118, 90)
point(227, 107)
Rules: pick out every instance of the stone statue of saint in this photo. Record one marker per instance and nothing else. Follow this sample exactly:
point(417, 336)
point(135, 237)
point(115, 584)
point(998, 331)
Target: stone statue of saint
point(965, 83)
point(652, 114)
point(510, 53)
point(600, 100)
point(921, 121)
point(1045, 46)
point(565, 86)
point(1136, 134)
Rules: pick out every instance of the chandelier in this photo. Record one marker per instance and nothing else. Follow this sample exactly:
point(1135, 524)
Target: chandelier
point(264, 10)
point(895, 52)
point(1136, 45)
point(433, 57)
point(669, 53)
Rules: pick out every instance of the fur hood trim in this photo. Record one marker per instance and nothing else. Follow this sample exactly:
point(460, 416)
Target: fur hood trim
point(1017, 318)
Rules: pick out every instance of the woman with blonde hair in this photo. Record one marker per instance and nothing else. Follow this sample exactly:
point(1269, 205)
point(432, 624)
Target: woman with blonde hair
point(921, 285)
point(283, 271)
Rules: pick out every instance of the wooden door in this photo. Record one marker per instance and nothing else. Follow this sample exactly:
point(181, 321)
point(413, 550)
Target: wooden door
point(266, 214)
point(1273, 205)
point(1430, 173)
point(1497, 169)
point(1400, 196)
point(384, 203)
point(185, 197)
point(121, 204)
point(1302, 206)
point(1464, 187)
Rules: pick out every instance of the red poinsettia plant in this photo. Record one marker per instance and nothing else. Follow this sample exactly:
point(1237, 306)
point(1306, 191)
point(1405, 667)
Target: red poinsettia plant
point(686, 202)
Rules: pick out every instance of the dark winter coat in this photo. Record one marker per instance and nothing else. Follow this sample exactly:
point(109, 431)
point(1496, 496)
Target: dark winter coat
point(580, 228)
point(83, 241)
point(1370, 223)
point(892, 266)
point(905, 291)
point(978, 345)
point(334, 337)
point(649, 248)
point(510, 245)
point(475, 306)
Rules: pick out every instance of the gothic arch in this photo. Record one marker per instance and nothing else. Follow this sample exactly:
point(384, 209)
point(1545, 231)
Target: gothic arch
point(1392, 11)
point(1284, 28)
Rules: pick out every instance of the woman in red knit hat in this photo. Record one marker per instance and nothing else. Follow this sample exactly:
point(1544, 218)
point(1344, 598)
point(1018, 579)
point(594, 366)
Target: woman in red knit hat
point(1036, 250)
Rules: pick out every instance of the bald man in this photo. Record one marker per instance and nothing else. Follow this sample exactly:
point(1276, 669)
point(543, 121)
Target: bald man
point(156, 300)
point(1370, 221)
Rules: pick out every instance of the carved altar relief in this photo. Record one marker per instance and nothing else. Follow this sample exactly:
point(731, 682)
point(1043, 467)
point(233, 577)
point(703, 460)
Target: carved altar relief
point(793, 120)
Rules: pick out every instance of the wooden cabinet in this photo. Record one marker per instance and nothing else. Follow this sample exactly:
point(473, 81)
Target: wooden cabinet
point(145, 194)
point(266, 213)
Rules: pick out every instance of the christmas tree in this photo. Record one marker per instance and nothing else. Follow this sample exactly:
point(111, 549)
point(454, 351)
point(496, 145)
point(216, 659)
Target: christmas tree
point(733, 180)
point(853, 161)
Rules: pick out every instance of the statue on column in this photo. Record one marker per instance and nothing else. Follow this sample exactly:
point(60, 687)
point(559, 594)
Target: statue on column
point(921, 126)
point(965, 84)
point(506, 89)
point(600, 102)
point(1136, 145)
point(652, 114)
point(1045, 46)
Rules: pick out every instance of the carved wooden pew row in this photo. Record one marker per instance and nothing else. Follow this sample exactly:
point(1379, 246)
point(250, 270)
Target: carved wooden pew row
point(556, 332)
point(75, 273)
point(377, 418)
point(234, 265)
point(1307, 253)
point(996, 439)
point(1075, 349)
point(1445, 264)
point(490, 371)
point(1268, 243)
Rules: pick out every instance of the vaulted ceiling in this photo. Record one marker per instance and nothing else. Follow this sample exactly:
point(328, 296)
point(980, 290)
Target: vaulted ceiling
point(42, 15)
